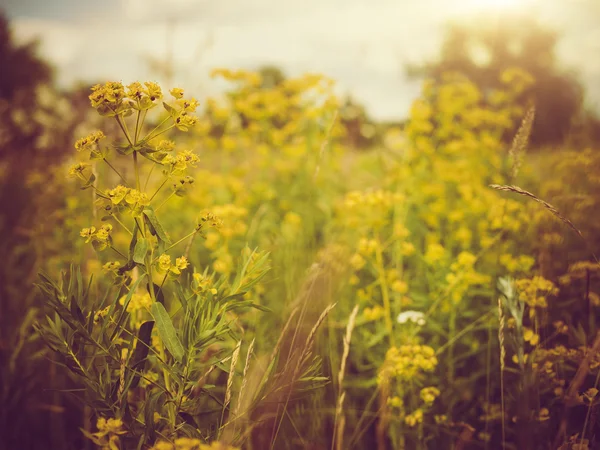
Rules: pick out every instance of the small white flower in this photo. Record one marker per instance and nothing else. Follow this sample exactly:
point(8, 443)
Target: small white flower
point(411, 316)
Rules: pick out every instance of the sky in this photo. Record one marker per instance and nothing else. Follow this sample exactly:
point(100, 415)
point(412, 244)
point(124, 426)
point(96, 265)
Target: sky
point(363, 44)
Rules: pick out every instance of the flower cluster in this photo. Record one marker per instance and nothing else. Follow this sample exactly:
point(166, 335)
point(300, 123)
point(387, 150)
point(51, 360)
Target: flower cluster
point(408, 362)
point(165, 265)
point(535, 291)
point(107, 436)
point(191, 444)
point(100, 238)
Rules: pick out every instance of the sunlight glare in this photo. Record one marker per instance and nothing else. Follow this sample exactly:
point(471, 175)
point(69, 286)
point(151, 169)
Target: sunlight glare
point(497, 4)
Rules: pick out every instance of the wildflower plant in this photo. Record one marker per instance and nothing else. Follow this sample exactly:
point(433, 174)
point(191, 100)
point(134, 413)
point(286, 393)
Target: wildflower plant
point(143, 340)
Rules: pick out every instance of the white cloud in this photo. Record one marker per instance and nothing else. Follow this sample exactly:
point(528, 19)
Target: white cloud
point(363, 44)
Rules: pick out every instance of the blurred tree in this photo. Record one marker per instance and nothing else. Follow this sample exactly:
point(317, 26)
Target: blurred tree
point(36, 131)
point(483, 50)
point(360, 130)
point(272, 76)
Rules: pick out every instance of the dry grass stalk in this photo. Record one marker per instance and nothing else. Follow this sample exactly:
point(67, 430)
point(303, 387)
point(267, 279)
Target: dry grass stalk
point(282, 334)
point(313, 331)
point(234, 358)
point(502, 362)
point(339, 425)
point(515, 154)
point(244, 377)
point(545, 204)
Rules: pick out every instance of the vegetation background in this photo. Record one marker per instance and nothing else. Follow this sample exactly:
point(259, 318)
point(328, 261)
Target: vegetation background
point(428, 283)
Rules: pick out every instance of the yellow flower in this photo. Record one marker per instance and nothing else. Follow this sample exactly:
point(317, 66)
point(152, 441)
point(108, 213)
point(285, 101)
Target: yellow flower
point(429, 394)
point(164, 262)
point(88, 234)
point(177, 93)
point(415, 418)
point(165, 145)
point(400, 286)
point(117, 194)
point(357, 262)
point(153, 91)
point(76, 170)
point(89, 142)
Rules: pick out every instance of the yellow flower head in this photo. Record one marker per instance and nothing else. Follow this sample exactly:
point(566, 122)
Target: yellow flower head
point(176, 93)
point(164, 262)
point(88, 142)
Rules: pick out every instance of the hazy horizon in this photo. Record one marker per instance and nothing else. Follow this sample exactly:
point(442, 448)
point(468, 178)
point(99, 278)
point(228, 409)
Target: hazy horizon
point(363, 45)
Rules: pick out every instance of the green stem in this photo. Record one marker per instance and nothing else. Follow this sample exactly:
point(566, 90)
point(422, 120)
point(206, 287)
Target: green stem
point(159, 188)
point(162, 131)
point(137, 124)
point(148, 177)
point(137, 170)
point(451, 339)
point(142, 230)
point(122, 224)
point(164, 201)
point(120, 254)
point(149, 135)
point(180, 241)
point(116, 171)
point(385, 294)
point(123, 128)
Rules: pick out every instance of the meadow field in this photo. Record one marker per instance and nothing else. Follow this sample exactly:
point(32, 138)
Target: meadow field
point(234, 273)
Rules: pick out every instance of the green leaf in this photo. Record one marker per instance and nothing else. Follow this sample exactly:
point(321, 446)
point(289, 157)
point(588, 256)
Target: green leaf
point(142, 347)
point(89, 182)
point(158, 293)
point(181, 295)
point(167, 332)
point(140, 250)
point(172, 111)
point(155, 225)
point(153, 404)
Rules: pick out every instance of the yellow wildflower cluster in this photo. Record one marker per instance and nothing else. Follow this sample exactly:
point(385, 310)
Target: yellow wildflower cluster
point(429, 394)
point(463, 276)
point(414, 418)
point(113, 99)
point(100, 238)
point(122, 197)
point(280, 114)
point(191, 444)
point(374, 313)
point(534, 291)
point(165, 265)
point(202, 283)
point(370, 209)
point(408, 362)
point(89, 142)
point(138, 302)
point(512, 264)
point(579, 271)
point(78, 170)
point(107, 436)
point(177, 164)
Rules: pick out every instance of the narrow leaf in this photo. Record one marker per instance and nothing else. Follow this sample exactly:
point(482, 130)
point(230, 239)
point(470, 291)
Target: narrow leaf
point(140, 250)
point(167, 332)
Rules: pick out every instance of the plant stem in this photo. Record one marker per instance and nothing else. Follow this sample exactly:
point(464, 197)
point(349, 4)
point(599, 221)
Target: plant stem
point(159, 188)
point(124, 129)
point(149, 135)
point(137, 170)
point(384, 292)
point(164, 201)
point(122, 224)
point(116, 171)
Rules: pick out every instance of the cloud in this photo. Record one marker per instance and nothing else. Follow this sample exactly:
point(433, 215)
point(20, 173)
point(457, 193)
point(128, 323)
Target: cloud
point(364, 45)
